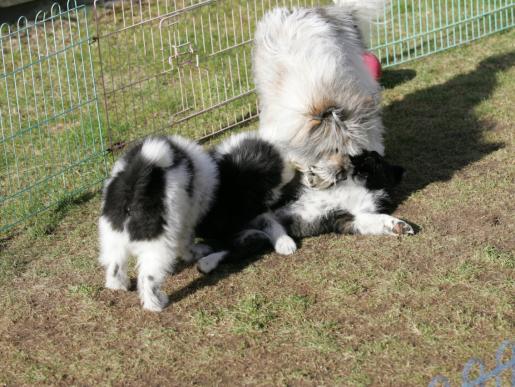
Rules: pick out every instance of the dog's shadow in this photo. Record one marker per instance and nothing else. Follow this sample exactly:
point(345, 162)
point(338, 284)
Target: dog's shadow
point(435, 132)
point(432, 132)
point(395, 77)
point(225, 269)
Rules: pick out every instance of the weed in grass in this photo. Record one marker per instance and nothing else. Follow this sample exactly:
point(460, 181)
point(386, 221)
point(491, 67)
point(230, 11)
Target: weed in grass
point(358, 378)
point(252, 314)
point(350, 287)
point(294, 306)
point(85, 290)
point(400, 279)
point(319, 336)
point(48, 221)
point(204, 319)
point(494, 255)
point(82, 263)
point(463, 272)
point(37, 373)
point(10, 266)
point(427, 330)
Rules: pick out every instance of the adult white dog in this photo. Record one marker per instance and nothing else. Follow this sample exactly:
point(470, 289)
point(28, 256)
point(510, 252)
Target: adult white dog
point(318, 100)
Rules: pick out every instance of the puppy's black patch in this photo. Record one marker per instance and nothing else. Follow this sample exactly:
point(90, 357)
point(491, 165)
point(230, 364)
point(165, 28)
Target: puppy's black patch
point(248, 176)
point(379, 174)
point(135, 197)
point(342, 222)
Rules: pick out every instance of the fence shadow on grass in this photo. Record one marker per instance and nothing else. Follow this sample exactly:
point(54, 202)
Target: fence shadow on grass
point(435, 132)
point(432, 132)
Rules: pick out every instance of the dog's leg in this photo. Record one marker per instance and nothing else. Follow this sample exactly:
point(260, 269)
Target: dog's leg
point(113, 256)
point(209, 263)
point(198, 251)
point(380, 224)
point(282, 242)
point(155, 260)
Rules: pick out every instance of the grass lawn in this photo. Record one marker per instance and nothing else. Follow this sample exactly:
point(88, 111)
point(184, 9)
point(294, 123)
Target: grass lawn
point(344, 310)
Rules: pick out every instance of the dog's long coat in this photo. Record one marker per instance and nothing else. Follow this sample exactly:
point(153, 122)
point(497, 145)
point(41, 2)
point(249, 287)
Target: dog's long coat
point(318, 101)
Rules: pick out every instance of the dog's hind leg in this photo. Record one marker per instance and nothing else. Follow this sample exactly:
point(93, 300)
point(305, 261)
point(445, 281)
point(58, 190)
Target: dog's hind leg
point(276, 233)
point(114, 255)
point(155, 260)
point(380, 224)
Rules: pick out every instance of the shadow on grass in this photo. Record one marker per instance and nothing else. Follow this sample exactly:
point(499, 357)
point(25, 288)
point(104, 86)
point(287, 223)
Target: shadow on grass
point(392, 78)
point(435, 132)
point(225, 270)
point(47, 222)
point(240, 258)
point(432, 132)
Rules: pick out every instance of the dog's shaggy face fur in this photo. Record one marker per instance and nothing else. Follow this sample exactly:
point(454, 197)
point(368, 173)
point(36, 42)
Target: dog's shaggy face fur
point(318, 100)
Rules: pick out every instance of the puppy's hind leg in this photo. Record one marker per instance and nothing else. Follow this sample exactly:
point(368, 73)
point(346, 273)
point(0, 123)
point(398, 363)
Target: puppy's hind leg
point(113, 256)
point(155, 260)
point(282, 242)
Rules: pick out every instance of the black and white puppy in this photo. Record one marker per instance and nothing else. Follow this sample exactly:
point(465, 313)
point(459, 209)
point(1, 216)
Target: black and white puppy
point(156, 195)
point(351, 206)
point(252, 176)
point(167, 190)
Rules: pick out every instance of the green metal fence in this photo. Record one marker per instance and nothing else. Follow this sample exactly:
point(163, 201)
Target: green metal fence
point(415, 28)
point(51, 143)
point(78, 83)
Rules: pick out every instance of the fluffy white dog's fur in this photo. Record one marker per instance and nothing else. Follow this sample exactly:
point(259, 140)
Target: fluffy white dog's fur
point(318, 100)
point(156, 195)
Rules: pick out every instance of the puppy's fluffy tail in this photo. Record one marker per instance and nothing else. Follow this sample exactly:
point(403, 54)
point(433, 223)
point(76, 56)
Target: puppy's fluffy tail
point(365, 11)
point(157, 152)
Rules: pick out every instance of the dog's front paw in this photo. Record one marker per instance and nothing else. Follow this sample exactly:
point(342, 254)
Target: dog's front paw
point(400, 227)
point(198, 251)
point(155, 302)
point(208, 264)
point(117, 282)
point(285, 245)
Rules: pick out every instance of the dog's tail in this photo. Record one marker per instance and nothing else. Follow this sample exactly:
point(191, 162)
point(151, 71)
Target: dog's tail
point(157, 151)
point(365, 12)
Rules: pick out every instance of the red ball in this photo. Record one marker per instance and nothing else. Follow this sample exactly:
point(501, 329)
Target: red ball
point(373, 65)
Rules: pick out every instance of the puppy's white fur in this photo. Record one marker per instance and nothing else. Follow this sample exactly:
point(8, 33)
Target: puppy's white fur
point(183, 209)
point(351, 196)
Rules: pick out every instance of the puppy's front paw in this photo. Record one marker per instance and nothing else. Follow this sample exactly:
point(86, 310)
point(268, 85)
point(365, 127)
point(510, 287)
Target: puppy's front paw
point(156, 301)
point(285, 245)
point(400, 227)
point(208, 264)
point(198, 251)
point(117, 282)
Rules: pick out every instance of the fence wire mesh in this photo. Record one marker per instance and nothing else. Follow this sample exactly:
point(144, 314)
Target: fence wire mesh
point(51, 144)
point(82, 82)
